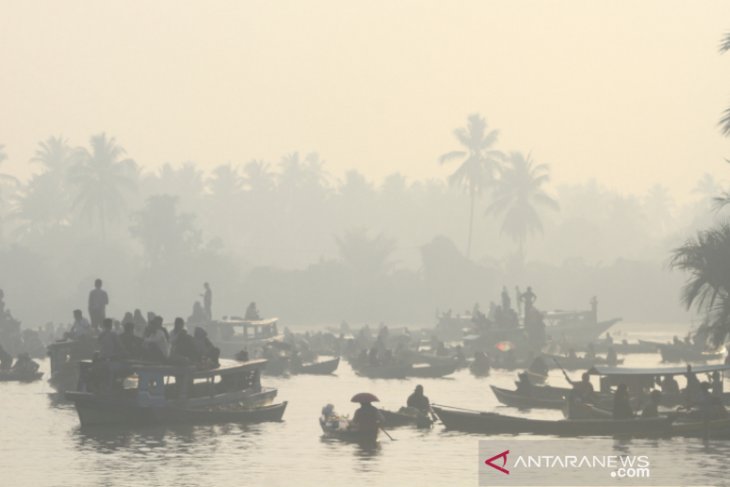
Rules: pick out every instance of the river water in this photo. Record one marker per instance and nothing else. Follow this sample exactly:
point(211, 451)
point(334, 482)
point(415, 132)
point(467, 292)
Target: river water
point(42, 444)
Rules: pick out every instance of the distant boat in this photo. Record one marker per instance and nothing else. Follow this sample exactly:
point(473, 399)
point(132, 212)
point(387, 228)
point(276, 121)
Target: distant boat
point(137, 393)
point(319, 367)
point(12, 375)
point(493, 423)
point(232, 335)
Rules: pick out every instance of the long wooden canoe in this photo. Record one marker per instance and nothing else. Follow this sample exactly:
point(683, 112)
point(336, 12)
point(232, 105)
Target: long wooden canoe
point(493, 423)
point(322, 367)
point(527, 400)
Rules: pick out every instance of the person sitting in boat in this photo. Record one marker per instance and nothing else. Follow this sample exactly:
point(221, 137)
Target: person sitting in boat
point(252, 313)
point(621, 404)
point(670, 386)
point(693, 391)
point(131, 342)
point(717, 385)
point(177, 328)
point(6, 360)
point(538, 366)
point(367, 419)
point(156, 343)
point(611, 357)
point(651, 410)
point(418, 400)
point(709, 406)
point(609, 338)
point(81, 327)
point(25, 365)
point(184, 349)
point(242, 356)
point(110, 347)
point(523, 382)
point(209, 354)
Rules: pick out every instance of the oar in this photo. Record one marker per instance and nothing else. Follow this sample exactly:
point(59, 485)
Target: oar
point(387, 434)
point(565, 374)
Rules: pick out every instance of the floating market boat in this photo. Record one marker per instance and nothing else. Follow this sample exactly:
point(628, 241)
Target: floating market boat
point(493, 423)
point(528, 400)
point(137, 393)
point(406, 417)
point(65, 356)
point(232, 335)
point(13, 375)
point(319, 367)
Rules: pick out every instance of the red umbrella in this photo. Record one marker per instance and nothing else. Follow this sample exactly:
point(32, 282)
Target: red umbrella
point(364, 397)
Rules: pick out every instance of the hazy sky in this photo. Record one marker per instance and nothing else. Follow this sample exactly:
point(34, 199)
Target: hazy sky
point(627, 92)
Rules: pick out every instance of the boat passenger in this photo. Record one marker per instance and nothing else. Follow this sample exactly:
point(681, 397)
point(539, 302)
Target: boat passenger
point(25, 365)
point(139, 322)
point(208, 353)
point(252, 313)
point(717, 384)
point(81, 327)
point(6, 360)
point(670, 386)
point(184, 347)
point(418, 400)
point(98, 301)
point(131, 342)
point(156, 344)
point(621, 405)
point(367, 418)
point(207, 301)
point(693, 391)
point(179, 325)
point(611, 357)
point(710, 406)
point(651, 410)
point(109, 345)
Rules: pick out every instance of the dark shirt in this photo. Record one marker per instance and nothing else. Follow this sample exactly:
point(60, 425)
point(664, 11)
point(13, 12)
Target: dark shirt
point(418, 401)
point(367, 418)
point(132, 344)
point(622, 407)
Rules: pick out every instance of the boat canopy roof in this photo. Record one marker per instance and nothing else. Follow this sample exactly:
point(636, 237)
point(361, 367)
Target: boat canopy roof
point(240, 322)
point(624, 371)
point(227, 367)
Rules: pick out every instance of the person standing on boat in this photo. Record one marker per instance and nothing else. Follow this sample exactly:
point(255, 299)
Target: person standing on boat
point(529, 298)
point(506, 302)
point(418, 400)
point(207, 301)
point(621, 405)
point(98, 301)
point(693, 389)
point(252, 313)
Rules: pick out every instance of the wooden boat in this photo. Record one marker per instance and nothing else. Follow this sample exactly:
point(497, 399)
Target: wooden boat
point(406, 417)
point(522, 400)
point(431, 370)
point(339, 428)
point(232, 335)
point(321, 367)
point(686, 353)
point(644, 379)
point(716, 428)
point(391, 371)
point(136, 393)
point(65, 356)
point(12, 375)
point(493, 423)
point(576, 363)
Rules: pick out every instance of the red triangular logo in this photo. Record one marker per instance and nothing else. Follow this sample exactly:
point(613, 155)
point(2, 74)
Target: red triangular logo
point(501, 468)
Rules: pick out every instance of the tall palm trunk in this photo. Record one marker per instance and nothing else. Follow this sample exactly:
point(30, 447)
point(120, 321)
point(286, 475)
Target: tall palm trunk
point(471, 222)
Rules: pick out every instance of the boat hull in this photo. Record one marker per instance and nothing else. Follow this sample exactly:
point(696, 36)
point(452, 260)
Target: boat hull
point(492, 423)
point(324, 367)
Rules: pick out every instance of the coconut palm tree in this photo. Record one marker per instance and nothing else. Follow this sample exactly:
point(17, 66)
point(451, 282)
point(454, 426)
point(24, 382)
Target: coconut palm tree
point(102, 179)
point(706, 258)
point(725, 120)
point(480, 162)
point(518, 197)
point(258, 176)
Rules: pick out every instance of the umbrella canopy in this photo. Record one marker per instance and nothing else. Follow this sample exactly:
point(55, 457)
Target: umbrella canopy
point(504, 346)
point(364, 397)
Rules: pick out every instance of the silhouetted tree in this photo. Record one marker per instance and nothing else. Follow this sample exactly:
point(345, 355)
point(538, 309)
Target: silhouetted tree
point(725, 120)
point(706, 258)
point(164, 232)
point(480, 162)
point(258, 176)
point(519, 195)
point(366, 255)
point(102, 179)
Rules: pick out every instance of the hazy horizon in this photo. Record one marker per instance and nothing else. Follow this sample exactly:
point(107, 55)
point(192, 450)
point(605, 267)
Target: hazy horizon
point(626, 94)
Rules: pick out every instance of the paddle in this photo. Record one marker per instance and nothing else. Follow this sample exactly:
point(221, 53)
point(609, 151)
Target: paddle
point(387, 434)
point(565, 374)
